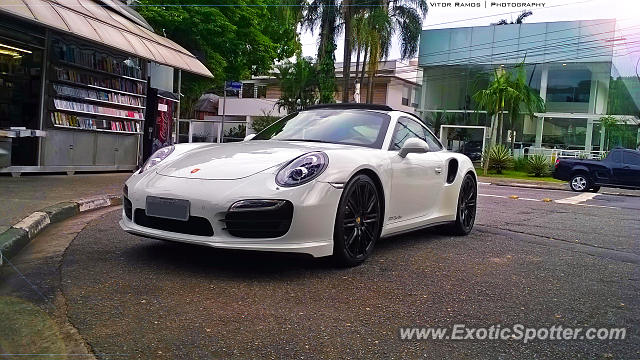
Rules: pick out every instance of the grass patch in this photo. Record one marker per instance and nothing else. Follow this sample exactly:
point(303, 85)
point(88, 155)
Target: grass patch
point(26, 329)
point(515, 174)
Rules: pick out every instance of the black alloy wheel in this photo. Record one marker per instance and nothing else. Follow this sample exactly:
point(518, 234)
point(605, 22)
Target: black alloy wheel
point(358, 222)
point(467, 205)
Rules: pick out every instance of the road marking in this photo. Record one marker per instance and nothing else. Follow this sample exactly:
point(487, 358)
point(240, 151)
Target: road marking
point(509, 197)
point(574, 200)
point(483, 183)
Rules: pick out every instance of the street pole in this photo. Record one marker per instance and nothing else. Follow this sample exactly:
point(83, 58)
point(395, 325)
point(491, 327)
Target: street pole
point(177, 120)
point(224, 105)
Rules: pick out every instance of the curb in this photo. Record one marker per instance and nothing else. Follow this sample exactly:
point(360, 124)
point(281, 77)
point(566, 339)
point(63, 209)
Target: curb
point(550, 186)
point(19, 235)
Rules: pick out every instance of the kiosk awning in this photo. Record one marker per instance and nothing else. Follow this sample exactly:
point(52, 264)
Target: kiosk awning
point(100, 22)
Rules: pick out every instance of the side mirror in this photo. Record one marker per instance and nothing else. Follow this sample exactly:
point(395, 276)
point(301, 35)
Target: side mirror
point(249, 137)
point(413, 145)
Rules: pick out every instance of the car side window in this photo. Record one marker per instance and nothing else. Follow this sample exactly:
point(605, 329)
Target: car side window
point(631, 158)
point(434, 143)
point(616, 157)
point(406, 129)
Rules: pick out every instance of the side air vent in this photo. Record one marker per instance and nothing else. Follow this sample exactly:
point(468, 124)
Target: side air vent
point(452, 170)
point(128, 207)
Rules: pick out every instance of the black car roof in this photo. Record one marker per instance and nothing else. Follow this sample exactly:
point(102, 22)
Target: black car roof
point(351, 106)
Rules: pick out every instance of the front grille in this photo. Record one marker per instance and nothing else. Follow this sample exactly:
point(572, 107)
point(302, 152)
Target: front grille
point(260, 223)
point(128, 207)
point(194, 226)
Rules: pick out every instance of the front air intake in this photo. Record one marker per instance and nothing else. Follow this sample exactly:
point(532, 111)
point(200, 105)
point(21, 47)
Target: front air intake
point(259, 221)
point(194, 226)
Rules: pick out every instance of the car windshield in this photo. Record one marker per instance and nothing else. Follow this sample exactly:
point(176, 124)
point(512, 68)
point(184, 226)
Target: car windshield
point(350, 127)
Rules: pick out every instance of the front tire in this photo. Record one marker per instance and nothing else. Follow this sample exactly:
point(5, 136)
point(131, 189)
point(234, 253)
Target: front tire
point(358, 220)
point(579, 182)
point(467, 205)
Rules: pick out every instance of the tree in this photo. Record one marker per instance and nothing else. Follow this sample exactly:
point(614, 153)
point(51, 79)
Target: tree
point(617, 133)
point(380, 28)
point(263, 121)
point(298, 84)
point(494, 100)
point(506, 92)
point(325, 14)
point(234, 42)
point(383, 20)
point(519, 19)
point(523, 96)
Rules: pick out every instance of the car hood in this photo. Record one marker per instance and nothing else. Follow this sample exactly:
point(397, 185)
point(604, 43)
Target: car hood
point(237, 160)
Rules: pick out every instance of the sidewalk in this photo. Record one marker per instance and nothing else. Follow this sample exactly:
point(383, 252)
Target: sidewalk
point(550, 185)
point(26, 194)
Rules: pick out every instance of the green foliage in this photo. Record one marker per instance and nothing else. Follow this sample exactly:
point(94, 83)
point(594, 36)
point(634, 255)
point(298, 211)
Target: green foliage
point(298, 85)
point(539, 166)
point(508, 92)
point(326, 75)
point(260, 123)
point(521, 164)
point(234, 42)
point(237, 132)
point(620, 101)
point(499, 158)
point(370, 26)
point(618, 133)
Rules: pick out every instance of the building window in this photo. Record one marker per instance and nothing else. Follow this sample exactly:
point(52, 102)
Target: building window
point(569, 86)
point(564, 133)
point(406, 92)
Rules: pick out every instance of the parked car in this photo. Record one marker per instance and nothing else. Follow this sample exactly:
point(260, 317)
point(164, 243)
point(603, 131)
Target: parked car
point(473, 149)
point(330, 180)
point(621, 168)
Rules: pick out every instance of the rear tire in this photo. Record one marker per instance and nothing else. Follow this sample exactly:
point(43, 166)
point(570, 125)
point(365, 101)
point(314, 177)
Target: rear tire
point(579, 182)
point(358, 220)
point(467, 205)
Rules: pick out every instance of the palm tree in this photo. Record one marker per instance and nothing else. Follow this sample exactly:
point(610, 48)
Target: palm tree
point(298, 83)
point(383, 20)
point(523, 95)
point(494, 99)
point(380, 35)
point(507, 93)
point(519, 19)
point(325, 14)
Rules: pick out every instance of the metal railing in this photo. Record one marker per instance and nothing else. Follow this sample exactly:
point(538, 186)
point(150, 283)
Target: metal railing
point(553, 154)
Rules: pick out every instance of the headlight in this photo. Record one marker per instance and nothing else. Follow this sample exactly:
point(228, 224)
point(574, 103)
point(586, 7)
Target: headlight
point(302, 169)
point(156, 158)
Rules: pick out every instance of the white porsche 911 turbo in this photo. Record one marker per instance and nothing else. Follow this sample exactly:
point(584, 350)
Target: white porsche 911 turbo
point(330, 180)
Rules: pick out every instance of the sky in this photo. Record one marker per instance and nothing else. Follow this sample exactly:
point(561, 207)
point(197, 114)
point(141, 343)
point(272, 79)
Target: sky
point(443, 14)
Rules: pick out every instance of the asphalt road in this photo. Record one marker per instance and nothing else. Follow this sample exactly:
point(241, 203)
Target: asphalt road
point(572, 262)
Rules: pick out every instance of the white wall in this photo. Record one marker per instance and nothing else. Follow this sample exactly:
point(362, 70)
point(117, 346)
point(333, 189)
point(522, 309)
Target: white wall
point(250, 107)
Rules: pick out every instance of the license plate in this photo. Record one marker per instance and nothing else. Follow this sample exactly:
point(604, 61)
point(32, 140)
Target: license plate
point(176, 209)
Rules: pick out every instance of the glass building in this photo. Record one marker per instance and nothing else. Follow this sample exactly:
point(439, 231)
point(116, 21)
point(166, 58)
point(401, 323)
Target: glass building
point(581, 69)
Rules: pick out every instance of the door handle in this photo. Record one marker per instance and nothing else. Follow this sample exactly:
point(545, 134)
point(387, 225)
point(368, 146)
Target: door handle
point(438, 170)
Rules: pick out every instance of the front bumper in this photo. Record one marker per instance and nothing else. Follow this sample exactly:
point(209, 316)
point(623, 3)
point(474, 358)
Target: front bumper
point(311, 230)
